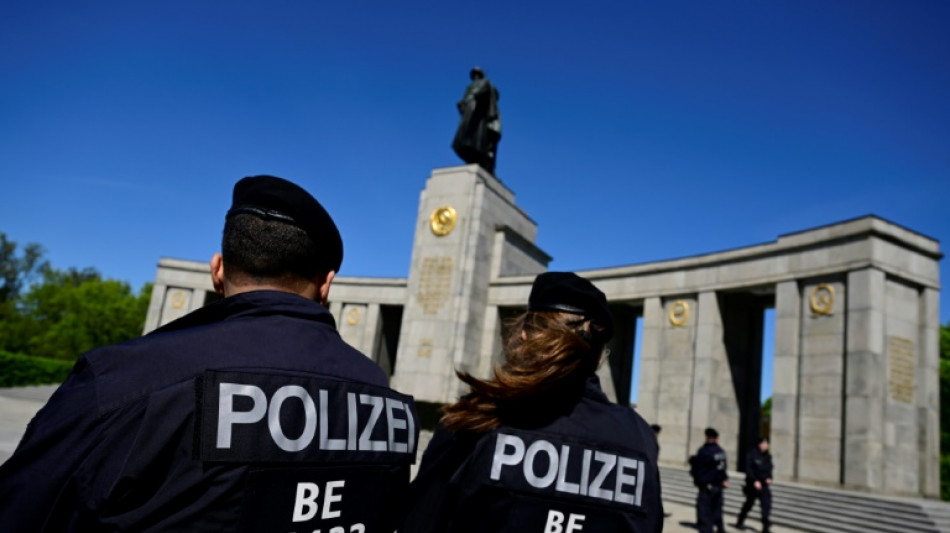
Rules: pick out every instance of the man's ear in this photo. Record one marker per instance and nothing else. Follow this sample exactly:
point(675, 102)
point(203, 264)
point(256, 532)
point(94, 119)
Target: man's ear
point(323, 287)
point(217, 273)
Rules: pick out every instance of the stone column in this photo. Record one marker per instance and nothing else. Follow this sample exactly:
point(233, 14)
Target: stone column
point(928, 397)
point(712, 386)
point(153, 318)
point(821, 385)
point(352, 325)
point(785, 381)
point(336, 310)
point(904, 382)
point(491, 343)
point(674, 398)
point(650, 351)
point(864, 386)
point(372, 332)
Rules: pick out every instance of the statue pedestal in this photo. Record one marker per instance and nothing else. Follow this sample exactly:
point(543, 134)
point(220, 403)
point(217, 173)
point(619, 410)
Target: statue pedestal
point(468, 232)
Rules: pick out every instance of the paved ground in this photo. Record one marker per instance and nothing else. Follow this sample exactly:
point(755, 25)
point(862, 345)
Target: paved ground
point(683, 519)
point(17, 407)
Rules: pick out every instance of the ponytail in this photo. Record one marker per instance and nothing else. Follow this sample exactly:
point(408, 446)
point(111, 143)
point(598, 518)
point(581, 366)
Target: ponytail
point(545, 353)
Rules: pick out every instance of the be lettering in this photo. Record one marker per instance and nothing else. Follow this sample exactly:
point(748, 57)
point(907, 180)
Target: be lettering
point(306, 507)
point(555, 523)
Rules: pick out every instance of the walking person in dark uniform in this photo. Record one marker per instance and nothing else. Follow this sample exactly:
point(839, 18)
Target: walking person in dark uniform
point(708, 468)
point(758, 483)
point(250, 414)
point(538, 447)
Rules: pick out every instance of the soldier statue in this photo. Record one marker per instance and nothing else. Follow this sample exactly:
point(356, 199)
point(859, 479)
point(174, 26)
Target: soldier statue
point(476, 140)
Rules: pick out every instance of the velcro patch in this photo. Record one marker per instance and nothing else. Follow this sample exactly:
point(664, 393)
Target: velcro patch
point(567, 470)
point(252, 417)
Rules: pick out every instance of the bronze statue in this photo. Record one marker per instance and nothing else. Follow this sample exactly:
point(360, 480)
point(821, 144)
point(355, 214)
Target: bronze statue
point(476, 140)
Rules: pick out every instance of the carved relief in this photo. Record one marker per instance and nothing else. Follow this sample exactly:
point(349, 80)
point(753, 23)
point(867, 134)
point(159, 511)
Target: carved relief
point(353, 316)
point(679, 313)
point(435, 282)
point(901, 371)
point(442, 221)
point(178, 299)
point(822, 300)
point(425, 348)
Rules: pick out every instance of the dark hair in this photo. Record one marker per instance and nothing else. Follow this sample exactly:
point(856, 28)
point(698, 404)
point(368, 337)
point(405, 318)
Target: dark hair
point(711, 433)
point(656, 428)
point(268, 249)
point(554, 353)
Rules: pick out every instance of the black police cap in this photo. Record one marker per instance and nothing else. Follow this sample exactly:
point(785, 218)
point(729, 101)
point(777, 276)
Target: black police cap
point(273, 198)
point(569, 293)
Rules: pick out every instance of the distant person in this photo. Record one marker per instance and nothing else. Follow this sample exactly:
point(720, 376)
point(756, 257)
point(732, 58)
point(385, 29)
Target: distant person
point(758, 484)
point(479, 129)
point(656, 430)
point(249, 414)
point(708, 469)
point(539, 447)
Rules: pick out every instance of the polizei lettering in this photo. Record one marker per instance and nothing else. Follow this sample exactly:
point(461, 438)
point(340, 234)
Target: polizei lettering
point(266, 418)
point(567, 468)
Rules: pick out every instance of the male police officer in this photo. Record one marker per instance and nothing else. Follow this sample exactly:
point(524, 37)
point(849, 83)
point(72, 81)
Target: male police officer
point(250, 414)
point(708, 468)
point(758, 483)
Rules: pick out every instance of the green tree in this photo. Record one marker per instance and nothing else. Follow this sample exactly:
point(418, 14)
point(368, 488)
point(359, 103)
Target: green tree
point(17, 270)
point(60, 314)
point(73, 311)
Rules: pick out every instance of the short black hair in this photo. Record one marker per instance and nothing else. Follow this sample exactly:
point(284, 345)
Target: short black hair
point(656, 428)
point(711, 433)
point(268, 249)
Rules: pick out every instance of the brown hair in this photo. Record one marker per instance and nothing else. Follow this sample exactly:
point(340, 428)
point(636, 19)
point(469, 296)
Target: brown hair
point(545, 354)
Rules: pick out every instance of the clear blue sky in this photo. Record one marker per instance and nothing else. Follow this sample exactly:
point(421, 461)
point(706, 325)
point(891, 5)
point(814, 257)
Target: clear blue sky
point(633, 131)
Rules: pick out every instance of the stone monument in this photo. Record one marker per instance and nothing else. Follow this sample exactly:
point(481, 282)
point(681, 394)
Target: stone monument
point(468, 232)
point(855, 388)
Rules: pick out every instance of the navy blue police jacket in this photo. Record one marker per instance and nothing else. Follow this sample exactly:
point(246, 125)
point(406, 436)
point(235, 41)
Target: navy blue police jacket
point(250, 414)
point(708, 466)
point(564, 465)
point(758, 466)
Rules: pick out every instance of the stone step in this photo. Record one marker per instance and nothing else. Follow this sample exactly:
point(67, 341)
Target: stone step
point(821, 510)
point(900, 515)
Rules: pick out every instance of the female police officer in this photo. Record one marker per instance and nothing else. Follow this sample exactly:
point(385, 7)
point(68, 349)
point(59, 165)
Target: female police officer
point(539, 448)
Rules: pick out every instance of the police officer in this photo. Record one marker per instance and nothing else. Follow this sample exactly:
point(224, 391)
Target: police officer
point(250, 414)
point(538, 447)
point(708, 468)
point(758, 483)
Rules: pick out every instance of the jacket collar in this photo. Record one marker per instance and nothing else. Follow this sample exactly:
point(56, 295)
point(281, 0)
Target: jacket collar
point(593, 391)
point(254, 303)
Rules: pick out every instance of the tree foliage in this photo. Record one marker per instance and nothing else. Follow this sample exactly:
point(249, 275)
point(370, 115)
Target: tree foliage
point(63, 313)
point(17, 270)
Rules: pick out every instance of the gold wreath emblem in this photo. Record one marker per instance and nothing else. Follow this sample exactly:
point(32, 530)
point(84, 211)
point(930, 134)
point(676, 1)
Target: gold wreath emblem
point(353, 316)
point(178, 300)
point(679, 312)
point(822, 299)
point(443, 220)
